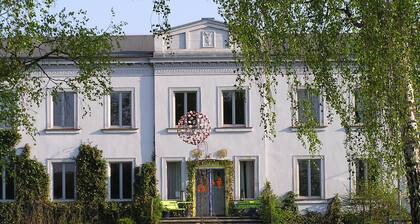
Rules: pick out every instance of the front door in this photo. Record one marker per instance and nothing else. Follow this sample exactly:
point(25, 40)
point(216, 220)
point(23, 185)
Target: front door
point(210, 192)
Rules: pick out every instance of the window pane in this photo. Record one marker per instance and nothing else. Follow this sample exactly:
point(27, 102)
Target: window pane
point(240, 107)
point(302, 97)
point(57, 181)
point(316, 105)
point(303, 177)
point(115, 180)
point(70, 178)
point(227, 107)
point(10, 187)
point(361, 172)
point(315, 177)
point(179, 106)
point(358, 110)
point(69, 109)
point(1, 183)
point(247, 179)
point(115, 111)
point(127, 180)
point(191, 101)
point(126, 108)
point(58, 110)
point(174, 180)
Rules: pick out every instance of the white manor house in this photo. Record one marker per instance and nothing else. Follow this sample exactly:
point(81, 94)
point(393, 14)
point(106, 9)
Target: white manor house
point(152, 88)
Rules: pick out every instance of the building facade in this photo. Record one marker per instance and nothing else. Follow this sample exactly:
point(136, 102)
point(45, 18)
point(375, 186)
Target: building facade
point(137, 123)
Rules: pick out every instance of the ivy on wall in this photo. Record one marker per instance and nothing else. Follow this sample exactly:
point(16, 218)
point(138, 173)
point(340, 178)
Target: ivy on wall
point(91, 181)
point(194, 165)
point(146, 203)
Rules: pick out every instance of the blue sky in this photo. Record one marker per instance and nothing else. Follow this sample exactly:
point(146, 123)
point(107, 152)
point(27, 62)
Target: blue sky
point(138, 13)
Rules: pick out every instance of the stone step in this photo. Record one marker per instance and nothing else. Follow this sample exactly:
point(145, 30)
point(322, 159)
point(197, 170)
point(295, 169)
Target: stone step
point(221, 220)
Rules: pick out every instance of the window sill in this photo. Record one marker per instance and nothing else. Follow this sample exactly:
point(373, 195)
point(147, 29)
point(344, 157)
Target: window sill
point(120, 200)
point(356, 126)
point(172, 130)
point(319, 128)
point(62, 131)
point(63, 200)
point(310, 200)
point(7, 200)
point(233, 129)
point(119, 130)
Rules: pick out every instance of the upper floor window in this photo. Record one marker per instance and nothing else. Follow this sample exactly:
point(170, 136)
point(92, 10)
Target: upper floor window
point(7, 185)
point(121, 180)
point(309, 177)
point(234, 107)
point(358, 107)
point(185, 101)
point(121, 109)
point(64, 180)
point(308, 105)
point(64, 110)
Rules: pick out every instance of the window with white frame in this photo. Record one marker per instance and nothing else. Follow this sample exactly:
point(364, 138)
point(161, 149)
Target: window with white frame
point(64, 180)
point(309, 177)
point(247, 178)
point(234, 107)
point(64, 110)
point(121, 180)
point(184, 101)
point(173, 174)
point(7, 185)
point(308, 105)
point(121, 109)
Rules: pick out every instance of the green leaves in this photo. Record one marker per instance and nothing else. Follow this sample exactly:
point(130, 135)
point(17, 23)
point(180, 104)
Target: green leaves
point(32, 33)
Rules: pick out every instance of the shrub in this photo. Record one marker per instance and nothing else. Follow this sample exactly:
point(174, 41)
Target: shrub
point(125, 221)
point(91, 179)
point(334, 214)
point(147, 207)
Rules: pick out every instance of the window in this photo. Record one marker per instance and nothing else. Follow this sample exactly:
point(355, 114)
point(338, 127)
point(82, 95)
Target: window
point(185, 101)
point(361, 174)
point(64, 180)
point(247, 179)
point(174, 179)
point(121, 109)
point(305, 101)
point(64, 110)
point(309, 177)
point(234, 107)
point(358, 107)
point(7, 185)
point(121, 180)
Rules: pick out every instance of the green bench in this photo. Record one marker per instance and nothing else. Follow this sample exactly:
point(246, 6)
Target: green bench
point(247, 207)
point(174, 207)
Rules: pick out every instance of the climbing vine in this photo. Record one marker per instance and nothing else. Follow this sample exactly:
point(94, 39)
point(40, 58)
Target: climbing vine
point(194, 165)
point(91, 179)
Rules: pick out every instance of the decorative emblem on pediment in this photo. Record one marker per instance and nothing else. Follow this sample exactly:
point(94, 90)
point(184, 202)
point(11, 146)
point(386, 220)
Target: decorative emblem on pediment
point(208, 38)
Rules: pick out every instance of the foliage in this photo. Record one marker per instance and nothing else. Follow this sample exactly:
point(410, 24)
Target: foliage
point(275, 211)
point(192, 167)
point(368, 49)
point(334, 214)
point(31, 32)
point(375, 203)
point(289, 202)
point(147, 207)
point(91, 180)
point(125, 221)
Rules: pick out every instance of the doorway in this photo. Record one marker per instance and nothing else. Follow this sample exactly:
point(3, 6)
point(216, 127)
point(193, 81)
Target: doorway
point(210, 192)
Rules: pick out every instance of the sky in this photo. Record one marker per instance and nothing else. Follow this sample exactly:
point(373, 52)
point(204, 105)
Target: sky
point(138, 13)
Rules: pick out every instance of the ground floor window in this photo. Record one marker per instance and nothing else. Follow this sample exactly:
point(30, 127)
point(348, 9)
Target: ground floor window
point(7, 185)
point(174, 179)
point(121, 181)
point(309, 177)
point(64, 180)
point(361, 174)
point(247, 179)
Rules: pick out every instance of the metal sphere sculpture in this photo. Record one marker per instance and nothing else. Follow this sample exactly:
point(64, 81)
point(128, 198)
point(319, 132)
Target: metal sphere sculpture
point(194, 128)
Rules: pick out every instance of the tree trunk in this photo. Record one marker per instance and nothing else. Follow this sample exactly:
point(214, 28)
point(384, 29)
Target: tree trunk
point(411, 156)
